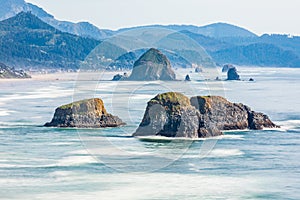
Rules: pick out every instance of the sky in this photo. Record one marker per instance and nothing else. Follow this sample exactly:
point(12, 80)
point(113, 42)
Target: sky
point(258, 16)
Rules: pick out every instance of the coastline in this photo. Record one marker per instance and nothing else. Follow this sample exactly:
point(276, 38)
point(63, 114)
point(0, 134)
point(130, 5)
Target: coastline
point(66, 76)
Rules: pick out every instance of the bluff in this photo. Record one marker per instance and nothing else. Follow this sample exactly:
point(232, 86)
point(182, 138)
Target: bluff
point(10, 72)
point(175, 115)
point(151, 66)
point(89, 113)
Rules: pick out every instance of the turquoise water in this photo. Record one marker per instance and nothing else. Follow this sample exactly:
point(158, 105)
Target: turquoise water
point(51, 163)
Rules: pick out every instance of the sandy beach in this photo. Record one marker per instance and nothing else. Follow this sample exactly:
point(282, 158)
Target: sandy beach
point(67, 76)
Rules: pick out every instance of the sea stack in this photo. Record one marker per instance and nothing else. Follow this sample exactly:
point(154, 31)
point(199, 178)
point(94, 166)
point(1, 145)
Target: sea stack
point(89, 113)
point(232, 75)
point(227, 67)
point(175, 115)
point(152, 66)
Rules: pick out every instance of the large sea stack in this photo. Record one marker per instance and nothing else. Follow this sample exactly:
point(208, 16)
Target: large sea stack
point(232, 74)
point(151, 66)
point(175, 115)
point(89, 113)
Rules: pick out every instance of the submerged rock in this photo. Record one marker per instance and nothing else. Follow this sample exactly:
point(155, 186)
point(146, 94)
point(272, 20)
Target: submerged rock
point(175, 115)
point(232, 75)
point(152, 66)
point(89, 113)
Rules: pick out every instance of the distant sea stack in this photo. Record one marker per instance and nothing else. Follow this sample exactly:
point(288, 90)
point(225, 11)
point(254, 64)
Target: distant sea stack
point(152, 66)
point(227, 67)
point(232, 75)
point(175, 115)
point(10, 72)
point(89, 113)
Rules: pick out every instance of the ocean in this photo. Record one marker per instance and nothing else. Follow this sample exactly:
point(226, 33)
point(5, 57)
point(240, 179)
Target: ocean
point(60, 163)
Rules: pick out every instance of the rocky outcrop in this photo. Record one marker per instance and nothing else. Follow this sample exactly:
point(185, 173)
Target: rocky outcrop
point(175, 115)
point(152, 66)
point(89, 113)
point(187, 78)
point(232, 75)
point(171, 115)
point(222, 113)
point(119, 77)
point(10, 72)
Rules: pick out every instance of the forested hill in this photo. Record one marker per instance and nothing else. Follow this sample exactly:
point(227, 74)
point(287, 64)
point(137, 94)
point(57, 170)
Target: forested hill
point(28, 42)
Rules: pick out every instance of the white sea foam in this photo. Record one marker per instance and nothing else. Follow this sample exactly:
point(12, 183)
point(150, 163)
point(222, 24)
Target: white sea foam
point(141, 96)
point(162, 138)
point(225, 153)
point(5, 112)
point(76, 160)
point(218, 153)
point(49, 94)
point(231, 137)
point(288, 125)
point(142, 186)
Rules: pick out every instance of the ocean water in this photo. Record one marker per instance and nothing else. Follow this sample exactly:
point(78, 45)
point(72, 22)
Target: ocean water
point(52, 163)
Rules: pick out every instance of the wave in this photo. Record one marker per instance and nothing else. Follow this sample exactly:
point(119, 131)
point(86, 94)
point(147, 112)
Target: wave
point(47, 94)
point(76, 160)
point(5, 113)
point(288, 125)
point(218, 153)
point(162, 138)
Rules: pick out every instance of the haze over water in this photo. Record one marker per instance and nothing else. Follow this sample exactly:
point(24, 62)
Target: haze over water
point(51, 163)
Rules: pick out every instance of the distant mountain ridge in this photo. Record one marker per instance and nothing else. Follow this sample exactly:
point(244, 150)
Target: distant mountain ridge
point(28, 42)
point(10, 8)
point(222, 43)
point(216, 30)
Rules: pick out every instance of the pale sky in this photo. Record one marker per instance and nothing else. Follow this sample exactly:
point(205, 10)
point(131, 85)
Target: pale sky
point(259, 16)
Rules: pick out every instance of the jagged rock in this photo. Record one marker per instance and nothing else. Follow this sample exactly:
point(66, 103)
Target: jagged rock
point(89, 113)
point(258, 121)
point(232, 75)
point(187, 78)
point(174, 115)
point(152, 66)
point(10, 72)
point(222, 113)
point(227, 67)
